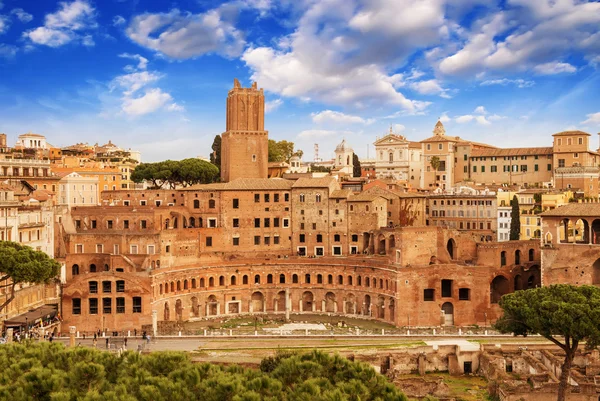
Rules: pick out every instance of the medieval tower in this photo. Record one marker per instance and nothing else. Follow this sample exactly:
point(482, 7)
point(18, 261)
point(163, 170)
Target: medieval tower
point(245, 143)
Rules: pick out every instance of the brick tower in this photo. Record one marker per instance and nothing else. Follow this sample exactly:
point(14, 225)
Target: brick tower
point(245, 143)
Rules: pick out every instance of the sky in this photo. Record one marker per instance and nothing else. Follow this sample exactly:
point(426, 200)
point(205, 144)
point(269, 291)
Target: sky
point(153, 75)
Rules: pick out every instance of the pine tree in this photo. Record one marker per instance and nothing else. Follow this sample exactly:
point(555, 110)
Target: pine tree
point(215, 156)
point(356, 170)
point(515, 220)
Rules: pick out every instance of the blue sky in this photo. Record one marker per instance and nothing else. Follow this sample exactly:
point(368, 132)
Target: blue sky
point(154, 75)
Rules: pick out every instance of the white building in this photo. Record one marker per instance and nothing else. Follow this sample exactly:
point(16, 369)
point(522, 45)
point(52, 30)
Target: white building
point(76, 190)
point(504, 223)
point(344, 158)
point(32, 141)
point(398, 158)
point(296, 165)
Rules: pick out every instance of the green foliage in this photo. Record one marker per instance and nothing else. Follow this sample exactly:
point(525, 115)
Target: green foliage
point(515, 219)
point(21, 264)
point(282, 151)
point(320, 169)
point(215, 156)
point(47, 371)
point(435, 165)
point(567, 311)
point(356, 170)
point(173, 173)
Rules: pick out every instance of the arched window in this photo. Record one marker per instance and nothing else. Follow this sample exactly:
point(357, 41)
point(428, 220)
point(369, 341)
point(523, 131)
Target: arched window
point(166, 288)
point(172, 287)
point(531, 255)
point(193, 283)
point(282, 279)
point(221, 281)
point(503, 258)
point(245, 280)
point(269, 279)
point(196, 204)
point(211, 282)
point(179, 286)
point(307, 278)
point(166, 224)
point(318, 198)
point(75, 270)
point(106, 268)
point(257, 279)
point(295, 279)
point(192, 222)
point(517, 257)
point(359, 280)
point(202, 283)
point(175, 222)
point(349, 280)
point(319, 279)
point(367, 282)
point(329, 279)
point(211, 204)
point(233, 280)
point(185, 284)
point(160, 291)
point(340, 279)
point(92, 268)
point(301, 197)
point(391, 155)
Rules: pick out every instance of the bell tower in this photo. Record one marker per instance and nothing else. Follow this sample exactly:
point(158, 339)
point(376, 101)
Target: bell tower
point(245, 143)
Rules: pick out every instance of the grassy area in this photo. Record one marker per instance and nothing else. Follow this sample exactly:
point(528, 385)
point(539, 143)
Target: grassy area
point(462, 388)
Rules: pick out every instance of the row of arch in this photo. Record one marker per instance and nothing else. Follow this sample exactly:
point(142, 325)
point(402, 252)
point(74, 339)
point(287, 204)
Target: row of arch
point(379, 307)
point(522, 280)
point(222, 281)
point(518, 257)
point(580, 231)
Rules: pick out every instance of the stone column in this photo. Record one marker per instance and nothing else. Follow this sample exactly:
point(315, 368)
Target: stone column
point(288, 304)
point(155, 323)
point(300, 305)
point(218, 309)
point(72, 332)
point(323, 306)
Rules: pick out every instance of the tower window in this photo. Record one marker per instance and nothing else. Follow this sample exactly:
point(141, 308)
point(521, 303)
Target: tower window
point(253, 158)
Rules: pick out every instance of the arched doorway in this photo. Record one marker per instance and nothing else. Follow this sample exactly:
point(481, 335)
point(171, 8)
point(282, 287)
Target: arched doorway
point(367, 305)
point(195, 307)
point(448, 310)
point(330, 305)
point(596, 232)
point(392, 307)
point(257, 300)
point(517, 257)
point(212, 306)
point(381, 244)
point(179, 310)
point(307, 301)
point(518, 282)
point(534, 278)
point(280, 301)
point(596, 272)
point(167, 312)
point(451, 247)
point(350, 304)
point(498, 287)
point(381, 307)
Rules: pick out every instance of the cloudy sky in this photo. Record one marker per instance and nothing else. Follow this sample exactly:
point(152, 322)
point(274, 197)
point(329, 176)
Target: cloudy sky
point(154, 75)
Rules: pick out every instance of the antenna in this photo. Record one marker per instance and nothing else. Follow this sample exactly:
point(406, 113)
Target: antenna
point(316, 152)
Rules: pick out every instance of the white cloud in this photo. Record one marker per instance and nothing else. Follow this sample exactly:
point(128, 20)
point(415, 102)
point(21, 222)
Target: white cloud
point(22, 15)
point(356, 51)
point(4, 24)
point(524, 35)
point(319, 133)
point(398, 128)
point(142, 61)
point(182, 35)
point(133, 82)
point(429, 87)
point(469, 117)
point(151, 101)
point(444, 117)
point(118, 20)
point(520, 83)
point(336, 117)
point(65, 25)
point(273, 105)
point(8, 51)
point(593, 118)
point(554, 68)
point(480, 110)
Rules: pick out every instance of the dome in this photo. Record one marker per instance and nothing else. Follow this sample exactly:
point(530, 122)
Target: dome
point(343, 147)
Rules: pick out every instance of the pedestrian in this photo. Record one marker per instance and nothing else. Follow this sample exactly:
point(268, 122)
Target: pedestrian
point(148, 339)
point(135, 332)
point(125, 341)
point(107, 342)
point(51, 338)
point(95, 342)
point(144, 335)
point(95, 338)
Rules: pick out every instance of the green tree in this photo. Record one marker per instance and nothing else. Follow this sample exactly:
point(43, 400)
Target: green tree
point(215, 156)
point(567, 312)
point(282, 151)
point(356, 170)
point(435, 164)
point(515, 219)
point(21, 264)
point(172, 173)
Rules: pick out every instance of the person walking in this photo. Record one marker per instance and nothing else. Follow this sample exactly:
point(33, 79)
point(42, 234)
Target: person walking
point(107, 338)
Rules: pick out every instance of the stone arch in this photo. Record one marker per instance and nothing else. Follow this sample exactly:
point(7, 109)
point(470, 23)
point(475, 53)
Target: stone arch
point(178, 285)
point(392, 242)
point(380, 307)
point(359, 280)
point(257, 302)
point(498, 287)
point(596, 272)
point(451, 248)
point(581, 231)
point(257, 279)
point(367, 305)
point(563, 230)
point(517, 257)
point(518, 282)
point(179, 310)
point(166, 312)
point(548, 238)
point(340, 279)
point(596, 232)
point(195, 307)
point(392, 308)
point(307, 301)
point(166, 288)
point(172, 286)
point(194, 283)
point(350, 304)
point(381, 250)
point(448, 310)
point(212, 306)
point(280, 302)
point(330, 303)
point(330, 279)
point(350, 280)
point(534, 279)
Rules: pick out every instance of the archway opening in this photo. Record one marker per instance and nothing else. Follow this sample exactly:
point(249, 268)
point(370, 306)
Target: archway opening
point(212, 305)
point(498, 287)
point(257, 300)
point(330, 305)
point(195, 307)
point(596, 272)
point(167, 312)
point(448, 310)
point(451, 247)
point(307, 301)
point(367, 305)
point(179, 310)
point(596, 232)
